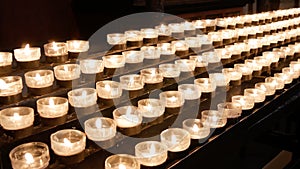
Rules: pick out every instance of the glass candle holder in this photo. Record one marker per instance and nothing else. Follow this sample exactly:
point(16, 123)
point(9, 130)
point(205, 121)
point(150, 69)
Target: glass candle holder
point(176, 139)
point(82, 97)
point(247, 102)
point(39, 78)
point(295, 66)
point(200, 62)
point(114, 61)
point(171, 99)
point(67, 72)
point(166, 48)
point(163, 30)
point(56, 49)
point(287, 78)
point(149, 33)
point(232, 73)
point(196, 128)
point(190, 91)
point(176, 27)
point(121, 161)
point(151, 75)
point(77, 46)
point(151, 108)
point(220, 79)
point(206, 85)
point(258, 94)
point(231, 110)
point(91, 66)
point(211, 57)
point(180, 45)
point(169, 70)
point(27, 54)
point(193, 42)
point(132, 82)
point(10, 85)
point(127, 116)
point(133, 56)
point(151, 52)
point(100, 128)
point(116, 38)
point(277, 82)
point(290, 72)
point(133, 35)
point(68, 142)
point(186, 65)
point(269, 88)
point(151, 153)
point(271, 56)
point(52, 107)
point(33, 155)
point(243, 68)
point(5, 59)
point(108, 89)
point(262, 61)
point(253, 64)
point(16, 118)
point(213, 118)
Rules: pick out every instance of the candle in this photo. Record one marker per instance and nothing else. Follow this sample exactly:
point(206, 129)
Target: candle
point(186, 65)
point(163, 30)
point(77, 46)
point(206, 85)
point(219, 79)
point(193, 42)
point(169, 70)
point(16, 118)
point(176, 139)
point(196, 128)
point(150, 35)
point(271, 56)
point(151, 75)
point(171, 99)
point(151, 52)
point(109, 89)
point(82, 97)
point(67, 72)
point(166, 48)
point(213, 118)
point(116, 38)
point(247, 102)
point(288, 71)
point(91, 66)
point(269, 88)
point(10, 85)
point(190, 91)
point(68, 142)
point(39, 78)
point(277, 82)
point(127, 116)
point(132, 82)
point(176, 27)
point(211, 57)
point(258, 94)
point(232, 73)
point(231, 110)
point(55, 49)
point(200, 62)
point(33, 155)
point(151, 108)
point(114, 61)
point(253, 64)
point(100, 128)
point(151, 153)
point(295, 66)
point(243, 68)
point(262, 61)
point(121, 161)
point(180, 45)
point(52, 107)
point(133, 56)
point(287, 78)
point(27, 54)
point(5, 59)
point(134, 38)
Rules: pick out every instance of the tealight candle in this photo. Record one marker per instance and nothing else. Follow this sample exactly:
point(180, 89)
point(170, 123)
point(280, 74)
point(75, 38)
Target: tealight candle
point(151, 108)
point(206, 85)
point(151, 52)
point(220, 79)
point(269, 88)
point(254, 65)
point(186, 65)
point(245, 70)
point(213, 118)
point(132, 82)
point(232, 73)
point(164, 32)
point(10, 86)
point(151, 153)
point(290, 72)
point(279, 83)
point(258, 94)
point(16, 118)
point(194, 43)
point(181, 47)
point(166, 48)
point(121, 161)
point(82, 97)
point(172, 99)
point(190, 91)
point(56, 52)
point(287, 78)
point(134, 38)
point(151, 75)
point(91, 66)
point(200, 62)
point(211, 57)
point(28, 57)
point(177, 30)
point(169, 70)
point(189, 28)
point(114, 61)
point(33, 155)
point(52, 107)
point(66, 73)
point(118, 40)
point(39, 81)
point(176, 139)
point(295, 66)
point(231, 110)
point(5, 62)
point(196, 128)
point(75, 47)
point(150, 35)
point(247, 102)
point(68, 142)
point(100, 128)
point(108, 89)
point(133, 56)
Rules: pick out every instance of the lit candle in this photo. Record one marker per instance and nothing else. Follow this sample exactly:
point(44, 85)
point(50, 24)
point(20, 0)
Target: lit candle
point(5, 59)
point(290, 72)
point(231, 110)
point(219, 79)
point(171, 99)
point(186, 65)
point(134, 38)
point(176, 139)
point(109, 89)
point(190, 91)
point(151, 52)
point(150, 35)
point(151, 108)
point(33, 155)
point(16, 118)
point(82, 97)
point(206, 85)
point(247, 102)
point(213, 118)
point(277, 82)
point(151, 153)
point(56, 52)
point(27, 54)
point(169, 70)
point(127, 116)
point(211, 57)
point(163, 31)
point(133, 56)
point(287, 78)
point(77, 46)
point(177, 30)
point(244, 69)
point(10, 85)
point(194, 43)
point(100, 128)
point(269, 88)
point(52, 107)
point(67, 72)
point(132, 82)
point(295, 66)
point(121, 161)
point(68, 142)
point(39, 78)
point(166, 48)
point(114, 61)
point(180, 45)
point(116, 39)
point(258, 94)
point(232, 73)
point(196, 128)
point(151, 75)
point(253, 64)
point(91, 66)
point(200, 62)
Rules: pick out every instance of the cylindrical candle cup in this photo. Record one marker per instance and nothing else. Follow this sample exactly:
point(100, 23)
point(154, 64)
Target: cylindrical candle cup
point(117, 41)
point(181, 47)
point(67, 74)
point(287, 78)
point(169, 70)
point(245, 70)
point(150, 35)
point(6, 59)
point(190, 91)
point(171, 99)
point(177, 30)
point(52, 107)
point(121, 161)
point(56, 52)
point(108, 89)
point(220, 79)
point(231, 110)
point(132, 82)
point(247, 102)
point(151, 52)
point(213, 118)
point(114, 61)
point(269, 88)
point(75, 47)
point(16, 118)
point(10, 89)
point(28, 57)
point(206, 85)
point(82, 97)
point(258, 94)
point(100, 128)
point(152, 109)
point(133, 56)
point(39, 81)
point(186, 65)
point(151, 75)
point(196, 128)
point(134, 38)
point(290, 72)
point(279, 83)
point(176, 139)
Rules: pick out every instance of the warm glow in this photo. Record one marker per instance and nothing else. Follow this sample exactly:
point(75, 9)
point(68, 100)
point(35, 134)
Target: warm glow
point(107, 87)
point(54, 45)
point(173, 99)
point(51, 102)
point(173, 139)
point(3, 84)
point(149, 107)
point(38, 77)
point(17, 116)
point(122, 166)
point(195, 128)
point(67, 142)
point(152, 149)
point(242, 102)
point(215, 118)
point(29, 158)
point(76, 44)
point(98, 123)
point(27, 49)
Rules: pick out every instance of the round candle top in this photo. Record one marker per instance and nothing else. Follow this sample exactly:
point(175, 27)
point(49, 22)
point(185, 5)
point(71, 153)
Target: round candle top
point(169, 70)
point(132, 82)
point(220, 79)
point(151, 52)
point(133, 56)
point(206, 84)
point(67, 72)
point(133, 35)
point(127, 116)
point(121, 161)
point(258, 94)
point(82, 97)
point(166, 48)
point(186, 65)
point(5, 58)
point(176, 139)
point(211, 57)
point(151, 153)
point(193, 42)
point(68, 142)
point(279, 83)
point(196, 128)
point(286, 77)
point(100, 128)
point(269, 88)
point(163, 30)
point(116, 38)
point(16, 118)
point(289, 71)
point(10, 85)
point(77, 46)
point(149, 33)
point(180, 45)
point(108, 89)
point(56, 49)
point(176, 27)
point(271, 56)
point(39, 78)
point(171, 98)
point(262, 61)
point(190, 91)
point(27, 54)
point(91, 66)
point(247, 102)
point(243, 68)
point(231, 110)
point(200, 62)
point(114, 61)
point(232, 73)
point(151, 75)
point(151, 108)
point(52, 107)
point(253, 64)
point(213, 118)
point(33, 155)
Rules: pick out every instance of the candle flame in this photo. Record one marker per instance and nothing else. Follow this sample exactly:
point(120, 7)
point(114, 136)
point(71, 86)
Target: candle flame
point(67, 142)
point(27, 49)
point(54, 45)
point(98, 123)
point(107, 87)
point(173, 139)
point(152, 149)
point(122, 166)
point(29, 158)
point(148, 107)
point(51, 102)
point(38, 77)
point(195, 128)
point(76, 44)
point(16, 116)
point(173, 99)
